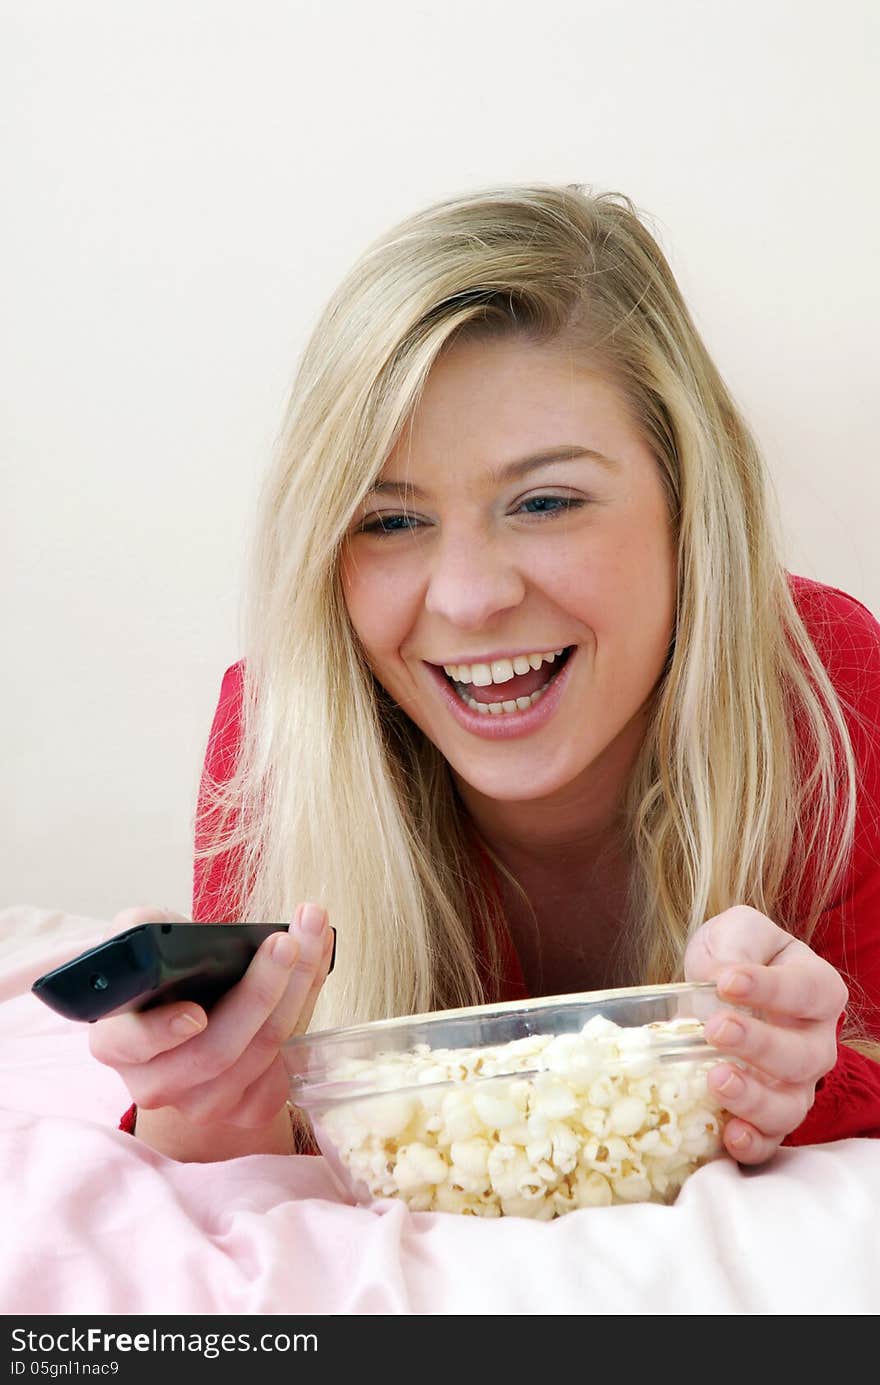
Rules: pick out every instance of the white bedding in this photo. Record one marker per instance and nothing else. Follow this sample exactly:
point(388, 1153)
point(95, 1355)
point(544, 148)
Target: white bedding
point(95, 1223)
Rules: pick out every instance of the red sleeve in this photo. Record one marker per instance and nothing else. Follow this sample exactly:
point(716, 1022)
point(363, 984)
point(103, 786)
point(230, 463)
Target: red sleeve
point(128, 1120)
point(847, 639)
point(216, 881)
point(847, 1102)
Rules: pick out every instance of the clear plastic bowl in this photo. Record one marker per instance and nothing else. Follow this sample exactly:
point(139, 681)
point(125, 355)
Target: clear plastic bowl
point(525, 1108)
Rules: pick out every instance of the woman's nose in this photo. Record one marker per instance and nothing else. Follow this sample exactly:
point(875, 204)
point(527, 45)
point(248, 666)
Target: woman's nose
point(472, 581)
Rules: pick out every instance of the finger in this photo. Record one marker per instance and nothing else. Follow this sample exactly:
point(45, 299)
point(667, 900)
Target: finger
point(308, 1008)
point(131, 1038)
point(748, 1145)
point(805, 988)
point(740, 934)
point(310, 928)
point(305, 978)
point(803, 1052)
point(234, 1022)
point(263, 1099)
point(773, 1111)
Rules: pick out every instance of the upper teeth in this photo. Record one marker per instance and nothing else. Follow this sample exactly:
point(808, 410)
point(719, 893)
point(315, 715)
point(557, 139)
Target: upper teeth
point(500, 670)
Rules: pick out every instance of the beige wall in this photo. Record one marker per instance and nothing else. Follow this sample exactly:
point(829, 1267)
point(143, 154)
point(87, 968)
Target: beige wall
point(188, 183)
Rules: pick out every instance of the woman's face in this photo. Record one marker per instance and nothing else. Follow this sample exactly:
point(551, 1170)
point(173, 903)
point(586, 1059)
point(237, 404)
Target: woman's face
point(467, 556)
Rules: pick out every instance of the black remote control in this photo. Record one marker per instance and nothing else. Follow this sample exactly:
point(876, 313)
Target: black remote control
point(153, 964)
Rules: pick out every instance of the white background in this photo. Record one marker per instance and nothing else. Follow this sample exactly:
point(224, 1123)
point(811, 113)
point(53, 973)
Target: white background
point(185, 182)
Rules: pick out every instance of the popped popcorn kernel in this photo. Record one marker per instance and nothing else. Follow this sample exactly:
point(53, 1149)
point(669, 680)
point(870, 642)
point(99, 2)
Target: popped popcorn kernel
point(471, 1155)
point(553, 1097)
point(627, 1116)
point(461, 1120)
point(592, 1190)
point(419, 1166)
point(390, 1115)
point(632, 1187)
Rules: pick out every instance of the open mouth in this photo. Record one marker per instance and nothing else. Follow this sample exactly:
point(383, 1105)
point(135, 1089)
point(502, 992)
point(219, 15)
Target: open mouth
point(517, 693)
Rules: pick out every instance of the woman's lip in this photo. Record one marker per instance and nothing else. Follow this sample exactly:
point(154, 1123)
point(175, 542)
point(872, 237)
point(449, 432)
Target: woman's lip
point(506, 725)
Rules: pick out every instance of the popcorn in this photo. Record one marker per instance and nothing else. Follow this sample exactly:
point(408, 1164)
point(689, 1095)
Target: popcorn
point(601, 1093)
point(527, 1207)
point(469, 1169)
point(591, 1190)
point(537, 1127)
point(471, 1157)
point(494, 1110)
point(459, 1113)
point(627, 1116)
point(512, 1173)
point(418, 1167)
point(553, 1097)
point(390, 1115)
point(632, 1186)
point(446, 1199)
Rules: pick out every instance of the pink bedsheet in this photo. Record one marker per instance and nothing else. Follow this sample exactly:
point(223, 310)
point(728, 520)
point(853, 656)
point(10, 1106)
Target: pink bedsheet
point(93, 1222)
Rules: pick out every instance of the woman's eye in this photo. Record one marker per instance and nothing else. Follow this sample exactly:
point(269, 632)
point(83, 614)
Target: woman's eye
point(385, 524)
point(550, 506)
point(561, 503)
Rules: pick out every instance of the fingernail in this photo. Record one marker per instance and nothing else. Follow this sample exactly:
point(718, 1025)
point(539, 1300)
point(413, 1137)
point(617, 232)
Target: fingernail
point(733, 1085)
point(185, 1023)
point(312, 920)
point(729, 1032)
point(284, 949)
point(735, 983)
point(741, 1141)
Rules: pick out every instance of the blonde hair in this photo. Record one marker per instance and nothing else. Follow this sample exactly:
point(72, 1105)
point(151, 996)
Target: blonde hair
point(744, 791)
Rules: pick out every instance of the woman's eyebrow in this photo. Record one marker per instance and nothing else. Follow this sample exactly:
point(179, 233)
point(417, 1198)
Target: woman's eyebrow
point(512, 471)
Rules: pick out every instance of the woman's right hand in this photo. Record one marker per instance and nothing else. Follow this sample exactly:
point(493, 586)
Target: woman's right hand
point(226, 1068)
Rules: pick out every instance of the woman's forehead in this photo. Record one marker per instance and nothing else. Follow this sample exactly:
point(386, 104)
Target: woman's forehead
point(507, 403)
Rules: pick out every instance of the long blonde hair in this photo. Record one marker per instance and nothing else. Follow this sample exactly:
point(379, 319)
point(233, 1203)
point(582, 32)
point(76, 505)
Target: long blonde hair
point(745, 786)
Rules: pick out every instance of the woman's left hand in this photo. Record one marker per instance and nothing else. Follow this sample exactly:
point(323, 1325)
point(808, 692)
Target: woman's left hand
point(799, 997)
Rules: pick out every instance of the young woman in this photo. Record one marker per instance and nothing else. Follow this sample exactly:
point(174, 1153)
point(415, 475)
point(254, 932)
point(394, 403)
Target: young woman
point(529, 703)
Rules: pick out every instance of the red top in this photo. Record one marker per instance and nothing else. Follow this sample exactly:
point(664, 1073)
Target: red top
point(847, 639)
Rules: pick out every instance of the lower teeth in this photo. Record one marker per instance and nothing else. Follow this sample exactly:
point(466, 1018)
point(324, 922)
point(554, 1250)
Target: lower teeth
point(520, 704)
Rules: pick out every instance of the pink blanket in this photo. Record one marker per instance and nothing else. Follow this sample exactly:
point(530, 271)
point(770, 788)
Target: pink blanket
point(93, 1222)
